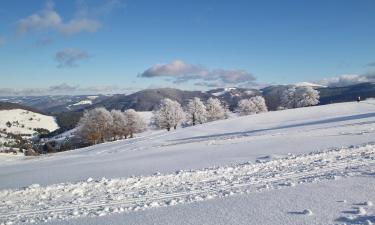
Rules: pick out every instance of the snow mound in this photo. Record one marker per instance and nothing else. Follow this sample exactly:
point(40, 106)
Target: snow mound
point(307, 212)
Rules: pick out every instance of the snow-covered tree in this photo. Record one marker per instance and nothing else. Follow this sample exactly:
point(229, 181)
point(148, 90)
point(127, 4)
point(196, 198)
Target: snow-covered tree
point(260, 104)
point(119, 126)
point(308, 96)
point(135, 123)
point(253, 105)
point(296, 97)
point(95, 125)
point(215, 110)
point(169, 114)
point(196, 111)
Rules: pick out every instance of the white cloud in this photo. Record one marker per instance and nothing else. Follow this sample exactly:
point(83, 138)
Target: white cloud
point(49, 19)
point(347, 79)
point(183, 72)
point(87, 10)
point(70, 57)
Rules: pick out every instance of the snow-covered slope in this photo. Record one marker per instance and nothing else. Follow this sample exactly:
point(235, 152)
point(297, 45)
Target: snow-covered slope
point(25, 122)
point(222, 160)
point(308, 84)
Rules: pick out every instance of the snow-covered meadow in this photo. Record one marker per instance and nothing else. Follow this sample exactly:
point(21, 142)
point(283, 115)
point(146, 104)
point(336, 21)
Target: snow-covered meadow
point(24, 121)
point(310, 165)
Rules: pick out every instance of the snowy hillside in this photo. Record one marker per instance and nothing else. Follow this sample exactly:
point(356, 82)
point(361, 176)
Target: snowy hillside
point(310, 165)
point(308, 84)
point(25, 122)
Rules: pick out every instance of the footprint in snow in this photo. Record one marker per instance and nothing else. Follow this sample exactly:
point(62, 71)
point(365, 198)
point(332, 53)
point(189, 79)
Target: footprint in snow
point(306, 212)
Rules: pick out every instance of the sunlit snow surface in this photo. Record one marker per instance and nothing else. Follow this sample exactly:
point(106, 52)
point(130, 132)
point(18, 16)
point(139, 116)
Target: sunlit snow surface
point(230, 169)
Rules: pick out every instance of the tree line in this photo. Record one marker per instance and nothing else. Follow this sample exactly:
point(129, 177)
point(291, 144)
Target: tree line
point(99, 125)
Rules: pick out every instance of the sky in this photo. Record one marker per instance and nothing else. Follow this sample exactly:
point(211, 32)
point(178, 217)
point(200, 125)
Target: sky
point(118, 46)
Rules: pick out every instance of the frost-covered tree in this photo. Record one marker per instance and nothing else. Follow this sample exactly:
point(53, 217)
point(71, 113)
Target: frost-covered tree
point(119, 126)
point(169, 114)
point(296, 97)
point(95, 125)
point(135, 123)
point(308, 96)
point(260, 104)
point(196, 111)
point(253, 105)
point(215, 110)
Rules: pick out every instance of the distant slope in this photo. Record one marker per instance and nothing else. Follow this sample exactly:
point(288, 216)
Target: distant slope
point(24, 122)
point(346, 94)
point(328, 95)
point(57, 104)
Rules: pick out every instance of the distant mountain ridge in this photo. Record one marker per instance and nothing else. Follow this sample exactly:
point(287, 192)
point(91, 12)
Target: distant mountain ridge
point(346, 94)
point(68, 109)
point(149, 99)
point(10, 106)
point(56, 104)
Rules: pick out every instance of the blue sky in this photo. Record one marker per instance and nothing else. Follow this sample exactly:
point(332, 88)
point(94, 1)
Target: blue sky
point(98, 45)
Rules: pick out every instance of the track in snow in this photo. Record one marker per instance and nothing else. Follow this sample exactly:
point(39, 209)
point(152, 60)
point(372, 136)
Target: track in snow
point(102, 197)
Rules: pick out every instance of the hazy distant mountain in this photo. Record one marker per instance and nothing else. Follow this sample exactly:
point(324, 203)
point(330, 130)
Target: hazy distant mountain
point(149, 99)
point(9, 106)
point(68, 109)
point(56, 104)
point(345, 94)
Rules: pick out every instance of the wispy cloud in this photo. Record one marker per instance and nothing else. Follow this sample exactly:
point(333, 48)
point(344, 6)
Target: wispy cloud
point(181, 71)
point(84, 20)
point(87, 10)
point(70, 57)
point(44, 41)
point(371, 64)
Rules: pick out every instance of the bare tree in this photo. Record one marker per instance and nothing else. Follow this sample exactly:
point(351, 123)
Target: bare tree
point(95, 125)
point(120, 125)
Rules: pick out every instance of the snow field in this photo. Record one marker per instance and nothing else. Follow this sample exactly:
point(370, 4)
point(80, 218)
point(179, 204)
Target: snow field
point(23, 121)
point(101, 197)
